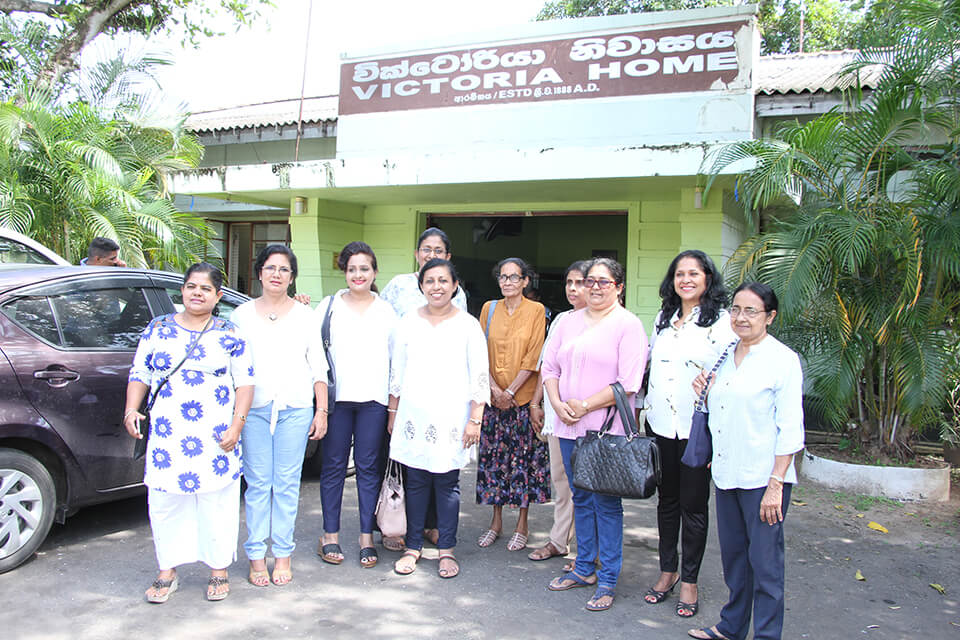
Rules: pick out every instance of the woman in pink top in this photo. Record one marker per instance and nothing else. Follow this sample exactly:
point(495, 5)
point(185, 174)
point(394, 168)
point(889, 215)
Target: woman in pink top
point(592, 349)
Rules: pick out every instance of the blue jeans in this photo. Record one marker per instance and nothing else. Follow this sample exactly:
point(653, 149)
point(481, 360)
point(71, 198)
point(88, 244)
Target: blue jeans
point(364, 424)
point(272, 466)
point(598, 520)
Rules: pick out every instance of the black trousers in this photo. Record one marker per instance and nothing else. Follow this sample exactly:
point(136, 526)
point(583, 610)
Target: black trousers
point(682, 511)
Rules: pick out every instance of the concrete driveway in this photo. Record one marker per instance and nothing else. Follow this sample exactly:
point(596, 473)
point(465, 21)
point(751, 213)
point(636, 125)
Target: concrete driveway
point(88, 582)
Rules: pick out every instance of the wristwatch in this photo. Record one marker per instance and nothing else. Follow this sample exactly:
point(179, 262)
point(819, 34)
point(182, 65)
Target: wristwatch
point(585, 405)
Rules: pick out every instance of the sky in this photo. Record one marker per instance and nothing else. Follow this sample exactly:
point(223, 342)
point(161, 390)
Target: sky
point(265, 62)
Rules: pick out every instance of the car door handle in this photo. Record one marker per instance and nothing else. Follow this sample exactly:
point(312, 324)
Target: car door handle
point(55, 376)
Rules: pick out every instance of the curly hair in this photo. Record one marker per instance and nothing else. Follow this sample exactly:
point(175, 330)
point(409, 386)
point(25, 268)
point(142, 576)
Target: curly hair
point(711, 302)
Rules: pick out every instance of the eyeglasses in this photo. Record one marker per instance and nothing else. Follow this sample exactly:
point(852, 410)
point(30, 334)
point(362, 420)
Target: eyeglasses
point(513, 278)
point(284, 271)
point(603, 283)
point(750, 312)
point(435, 251)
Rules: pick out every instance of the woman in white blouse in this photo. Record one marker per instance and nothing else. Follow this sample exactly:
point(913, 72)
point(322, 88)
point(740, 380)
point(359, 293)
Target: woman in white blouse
point(690, 333)
point(290, 372)
point(361, 325)
point(439, 385)
point(756, 420)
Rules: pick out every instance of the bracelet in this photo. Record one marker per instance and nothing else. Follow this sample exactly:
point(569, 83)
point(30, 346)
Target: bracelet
point(777, 478)
point(476, 421)
point(243, 419)
point(389, 410)
point(507, 390)
point(323, 410)
point(128, 412)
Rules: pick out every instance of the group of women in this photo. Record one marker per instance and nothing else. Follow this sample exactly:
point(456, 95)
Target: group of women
point(415, 377)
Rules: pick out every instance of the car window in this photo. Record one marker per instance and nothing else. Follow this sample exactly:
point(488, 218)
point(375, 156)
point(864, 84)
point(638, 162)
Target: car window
point(13, 252)
point(224, 308)
point(102, 318)
point(35, 315)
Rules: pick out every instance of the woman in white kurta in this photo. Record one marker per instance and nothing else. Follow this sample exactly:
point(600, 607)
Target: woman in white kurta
point(439, 385)
point(291, 371)
point(193, 458)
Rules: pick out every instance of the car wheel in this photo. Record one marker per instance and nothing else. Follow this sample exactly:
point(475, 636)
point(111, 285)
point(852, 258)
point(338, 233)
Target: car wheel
point(27, 506)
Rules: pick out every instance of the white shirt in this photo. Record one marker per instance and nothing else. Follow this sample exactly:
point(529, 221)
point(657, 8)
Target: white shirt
point(360, 347)
point(676, 357)
point(549, 415)
point(404, 295)
point(436, 371)
point(287, 356)
point(756, 413)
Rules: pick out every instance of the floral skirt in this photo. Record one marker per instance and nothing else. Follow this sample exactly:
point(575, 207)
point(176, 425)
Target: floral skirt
point(513, 468)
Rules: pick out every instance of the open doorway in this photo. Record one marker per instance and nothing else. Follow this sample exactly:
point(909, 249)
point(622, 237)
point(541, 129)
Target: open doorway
point(549, 241)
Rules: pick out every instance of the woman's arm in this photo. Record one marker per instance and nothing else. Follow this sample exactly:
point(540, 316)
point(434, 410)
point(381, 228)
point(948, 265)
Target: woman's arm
point(241, 407)
point(536, 406)
point(771, 510)
point(318, 428)
point(136, 392)
point(471, 432)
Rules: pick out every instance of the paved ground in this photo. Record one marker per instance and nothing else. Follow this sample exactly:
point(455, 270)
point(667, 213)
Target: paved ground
point(88, 580)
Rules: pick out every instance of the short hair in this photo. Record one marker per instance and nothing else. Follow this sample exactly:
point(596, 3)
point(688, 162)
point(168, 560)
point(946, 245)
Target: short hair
point(579, 265)
point(763, 291)
point(438, 262)
point(615, 268)
point(101, 247)
point(526, 271)
point(713, 299)
point(434, 231)
point(272, 249)
point(216, 277)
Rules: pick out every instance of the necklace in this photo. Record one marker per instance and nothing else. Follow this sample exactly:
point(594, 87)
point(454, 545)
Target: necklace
point(272, 316)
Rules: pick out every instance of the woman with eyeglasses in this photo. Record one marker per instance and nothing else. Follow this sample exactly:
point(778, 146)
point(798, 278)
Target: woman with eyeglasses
point(291, 371)
point(756, 420)
point(591, 349)
point(404, 295)
point(361, 326)
point(691, 331)
point(543, 419)
point(513, 465)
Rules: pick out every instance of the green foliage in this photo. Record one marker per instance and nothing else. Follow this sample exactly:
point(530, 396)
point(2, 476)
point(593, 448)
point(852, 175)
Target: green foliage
point(864, 249)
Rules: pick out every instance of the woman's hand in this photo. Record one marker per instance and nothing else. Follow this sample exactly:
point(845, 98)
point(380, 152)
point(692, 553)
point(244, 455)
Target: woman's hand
point(770, 504)
point(576, 408)
point(565, 413)
point(500, 399)
point(230, 437)
point(391, 418)
point(471, 434)
point(536, 418)
point(318, 428)
point(702, 380)
point(132, 423)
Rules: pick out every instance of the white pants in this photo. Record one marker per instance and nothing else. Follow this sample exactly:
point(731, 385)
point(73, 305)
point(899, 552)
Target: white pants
point(199, 527)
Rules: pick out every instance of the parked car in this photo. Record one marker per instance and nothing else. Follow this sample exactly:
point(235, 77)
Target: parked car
point(67, 340)
point(19, 249)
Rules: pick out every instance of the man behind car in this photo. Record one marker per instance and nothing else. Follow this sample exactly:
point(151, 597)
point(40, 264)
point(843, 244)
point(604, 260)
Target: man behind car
point(103, 252)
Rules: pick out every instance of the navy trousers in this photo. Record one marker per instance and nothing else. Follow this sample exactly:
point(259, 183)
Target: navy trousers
point(446, 486)
point(751, 552)
point(362, 424)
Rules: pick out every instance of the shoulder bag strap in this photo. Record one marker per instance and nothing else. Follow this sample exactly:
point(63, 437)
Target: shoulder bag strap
point(190, 349)
point(702, 400)
point(486, 329)
point(325, 336)
point(630, 428)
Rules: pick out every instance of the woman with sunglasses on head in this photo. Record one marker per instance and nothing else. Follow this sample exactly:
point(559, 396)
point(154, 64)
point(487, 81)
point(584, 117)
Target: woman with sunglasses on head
point(593, 348)
point(691, 332)
point(361, 326)
point(755, 404)
point(513, 466)
point(404, 295)
point(438, 387)
point(291, 372)
point(543, 418)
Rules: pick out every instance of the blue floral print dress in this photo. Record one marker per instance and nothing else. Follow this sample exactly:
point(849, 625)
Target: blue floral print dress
point(195, 407)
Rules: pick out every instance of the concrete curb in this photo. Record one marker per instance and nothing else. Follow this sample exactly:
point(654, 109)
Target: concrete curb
point(899, 483)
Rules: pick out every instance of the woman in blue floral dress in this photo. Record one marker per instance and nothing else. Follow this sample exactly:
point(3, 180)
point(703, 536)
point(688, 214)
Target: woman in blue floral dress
point(193, 462)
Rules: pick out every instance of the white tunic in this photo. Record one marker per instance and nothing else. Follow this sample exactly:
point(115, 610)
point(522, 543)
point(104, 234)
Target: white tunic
point(676, 357)
point(436, 372)
point(360, 346)
point(756, 413)
point(404, 295)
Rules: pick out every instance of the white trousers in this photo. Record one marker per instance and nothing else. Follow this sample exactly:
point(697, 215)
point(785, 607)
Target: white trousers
point(201, 527)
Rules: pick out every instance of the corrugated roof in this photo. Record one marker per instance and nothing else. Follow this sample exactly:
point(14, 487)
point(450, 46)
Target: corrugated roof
point(279, 112)
point(820, 71)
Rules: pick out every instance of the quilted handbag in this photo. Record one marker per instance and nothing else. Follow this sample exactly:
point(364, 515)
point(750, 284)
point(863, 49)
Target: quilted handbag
point(391, 510)
point(699, 450)
point(626, 466)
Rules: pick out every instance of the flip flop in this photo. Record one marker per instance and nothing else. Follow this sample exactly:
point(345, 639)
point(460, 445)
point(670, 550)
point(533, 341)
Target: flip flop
point(518, 542)
point(216, 582)
point(488, 538)
point(709, 634)
point(456, 570)
point(557, 583)
point(170, 585)
point(601, 592)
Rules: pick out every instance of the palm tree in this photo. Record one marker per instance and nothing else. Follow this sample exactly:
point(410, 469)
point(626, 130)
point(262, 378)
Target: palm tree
point(864, 234)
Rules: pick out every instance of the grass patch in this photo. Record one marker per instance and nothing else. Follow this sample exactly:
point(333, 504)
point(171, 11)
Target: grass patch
point(863, 503)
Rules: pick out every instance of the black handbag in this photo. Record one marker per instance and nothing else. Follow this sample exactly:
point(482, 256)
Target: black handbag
point(626, 466)
point(331, 370)
point(140, 444)
point(699, 450)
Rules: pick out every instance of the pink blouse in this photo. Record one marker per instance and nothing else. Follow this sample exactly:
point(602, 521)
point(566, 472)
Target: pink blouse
point(585, 360)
